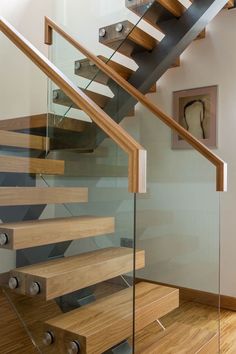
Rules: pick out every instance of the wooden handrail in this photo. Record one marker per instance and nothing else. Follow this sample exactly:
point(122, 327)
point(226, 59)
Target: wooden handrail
point(136, 153)
point(221, 166)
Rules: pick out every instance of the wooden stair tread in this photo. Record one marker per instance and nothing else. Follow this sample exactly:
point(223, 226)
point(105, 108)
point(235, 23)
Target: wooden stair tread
point(65, 275)
point(142, 38)
point(229, 4)
point(41, 195)
point(62, 99)
point(154, 16)
point(91, 72)
point(31, 165)
point(41, 122)
point(28, 141)
point(126, 74)
point(98, 98)
point(128, 41)
point(173, 6)
point(27, 234)
point(178, 338)
point(108, 321)
point(124, 71)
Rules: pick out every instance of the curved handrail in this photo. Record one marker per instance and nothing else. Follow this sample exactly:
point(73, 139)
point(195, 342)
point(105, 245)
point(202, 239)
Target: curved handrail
point(221, 166)
point(136, 153)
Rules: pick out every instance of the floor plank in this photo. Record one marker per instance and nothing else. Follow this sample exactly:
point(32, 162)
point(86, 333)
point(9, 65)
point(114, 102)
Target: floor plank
point(13, 337)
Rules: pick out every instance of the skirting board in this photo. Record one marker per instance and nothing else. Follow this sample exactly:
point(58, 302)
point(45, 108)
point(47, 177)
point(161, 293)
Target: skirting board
point(202, 297)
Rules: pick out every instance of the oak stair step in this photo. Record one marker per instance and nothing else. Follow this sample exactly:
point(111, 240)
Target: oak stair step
point(10, 196)
point(156, 12)
point(31, 165)
point(60, 98)
point(107, 322)
point(27, 141)
point(86, 69)
point(178, 338)
point(128, 41)
point(25, 234)
point(110, 63)
point(229, 5)
point(40, 122)
point(65, 133)
point(65, 275)
point(159, 12)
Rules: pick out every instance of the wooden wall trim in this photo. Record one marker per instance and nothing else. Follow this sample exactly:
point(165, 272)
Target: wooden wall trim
point(221, 166)
point(199, 296)
point(136, 153)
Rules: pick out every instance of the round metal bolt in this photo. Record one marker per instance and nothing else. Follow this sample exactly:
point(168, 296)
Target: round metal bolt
point(13, 283)
point(119, 27)
point(73, 347)
point(34, 289)
point(3, 239)
point(77, 65)
point(48, 338)
point(55, 95)
point(102, 32)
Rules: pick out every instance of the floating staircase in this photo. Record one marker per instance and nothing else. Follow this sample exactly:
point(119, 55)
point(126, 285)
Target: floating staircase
point(103, 324)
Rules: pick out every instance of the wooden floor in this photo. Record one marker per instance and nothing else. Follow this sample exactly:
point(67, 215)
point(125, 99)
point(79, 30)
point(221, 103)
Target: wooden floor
point(206, 318)
point(14, 340)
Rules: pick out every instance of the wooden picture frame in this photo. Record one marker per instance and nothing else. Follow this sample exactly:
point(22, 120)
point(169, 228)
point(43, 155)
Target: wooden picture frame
point(196, 110)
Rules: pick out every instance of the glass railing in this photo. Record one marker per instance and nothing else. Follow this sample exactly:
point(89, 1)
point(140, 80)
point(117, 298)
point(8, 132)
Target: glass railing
point(76, 66)
point(105, 242)
point(177, 221)
point(178, 226)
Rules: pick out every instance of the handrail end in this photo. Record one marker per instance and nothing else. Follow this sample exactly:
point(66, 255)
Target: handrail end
point(138, 171)
point(142, 187)
point(221, 177)
point(48, 31)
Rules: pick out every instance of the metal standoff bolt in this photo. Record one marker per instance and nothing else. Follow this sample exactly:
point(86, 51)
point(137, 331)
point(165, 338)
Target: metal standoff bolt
point(73, 348)
point(48, 338)
point(77, 65)
point(55, 95)
point(119, 27)
point(13, 283)
point(102, 32)
point(3, 239)
point(34, 288)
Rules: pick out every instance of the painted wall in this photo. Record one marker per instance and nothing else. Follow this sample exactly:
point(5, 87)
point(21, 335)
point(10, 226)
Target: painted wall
point(25, 87)
point(181, 239)
point(179, 220)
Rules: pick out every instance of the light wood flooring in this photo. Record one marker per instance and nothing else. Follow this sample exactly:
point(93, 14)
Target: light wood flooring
point(14, 340)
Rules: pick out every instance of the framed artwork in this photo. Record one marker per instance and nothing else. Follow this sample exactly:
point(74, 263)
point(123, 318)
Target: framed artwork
point(195, 110)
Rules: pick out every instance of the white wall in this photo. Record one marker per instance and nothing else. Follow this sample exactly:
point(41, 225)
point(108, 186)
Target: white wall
point(206, 62)
point(178, 220)
point(24, 91)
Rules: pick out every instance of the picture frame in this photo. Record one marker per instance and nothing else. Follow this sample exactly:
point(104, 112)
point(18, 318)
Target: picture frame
point(196, 110)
